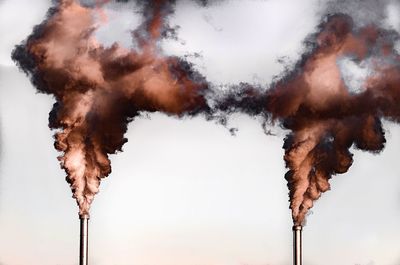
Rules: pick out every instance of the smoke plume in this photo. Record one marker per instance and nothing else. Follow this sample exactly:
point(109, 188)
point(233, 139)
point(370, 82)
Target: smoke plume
point(323, 111)
point(325, 116)
point(99, 90)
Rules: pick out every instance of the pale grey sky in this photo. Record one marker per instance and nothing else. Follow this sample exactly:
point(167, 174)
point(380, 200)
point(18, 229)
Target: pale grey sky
point(185, 192)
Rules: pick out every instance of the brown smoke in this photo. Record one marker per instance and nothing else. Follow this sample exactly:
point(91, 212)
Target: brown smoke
point(324, 116)
point(98, 90)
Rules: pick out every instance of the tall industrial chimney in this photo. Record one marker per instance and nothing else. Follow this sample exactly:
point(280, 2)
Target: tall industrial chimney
point(297, 245)
point(84, 236)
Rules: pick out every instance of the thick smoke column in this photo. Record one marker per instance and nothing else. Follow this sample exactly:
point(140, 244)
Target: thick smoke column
point(324, 115)
point(99, 90)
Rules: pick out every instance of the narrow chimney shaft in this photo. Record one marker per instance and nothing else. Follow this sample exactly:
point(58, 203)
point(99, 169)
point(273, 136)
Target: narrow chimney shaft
point(84, 236)
point(297, 245)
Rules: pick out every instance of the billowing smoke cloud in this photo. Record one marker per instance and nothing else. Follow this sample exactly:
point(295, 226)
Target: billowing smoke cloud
point(99, 90)
point(325, 117)
point(324, 109)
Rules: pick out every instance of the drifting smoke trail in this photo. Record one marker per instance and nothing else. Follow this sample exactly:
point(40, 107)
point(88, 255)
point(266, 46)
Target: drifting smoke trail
point(99, 90)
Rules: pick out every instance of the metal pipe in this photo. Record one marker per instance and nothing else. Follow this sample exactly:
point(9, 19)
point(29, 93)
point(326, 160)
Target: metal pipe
point(297, 245)
point(84, 238)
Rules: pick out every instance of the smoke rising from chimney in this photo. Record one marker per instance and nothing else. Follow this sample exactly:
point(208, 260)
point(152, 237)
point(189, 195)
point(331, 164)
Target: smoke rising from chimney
point(325, 117)
point(99, 90)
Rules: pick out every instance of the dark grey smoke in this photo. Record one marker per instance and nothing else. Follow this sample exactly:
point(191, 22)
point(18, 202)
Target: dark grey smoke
point(363, 12)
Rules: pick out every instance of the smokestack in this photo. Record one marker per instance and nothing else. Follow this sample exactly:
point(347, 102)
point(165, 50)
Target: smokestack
point(84, 236)
point(297, 245)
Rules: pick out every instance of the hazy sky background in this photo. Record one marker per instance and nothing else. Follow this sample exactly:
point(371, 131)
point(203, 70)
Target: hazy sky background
point(186, 192)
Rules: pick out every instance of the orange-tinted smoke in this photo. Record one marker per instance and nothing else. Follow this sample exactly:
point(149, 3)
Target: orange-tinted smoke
point(324, 116)
point(98, 90)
